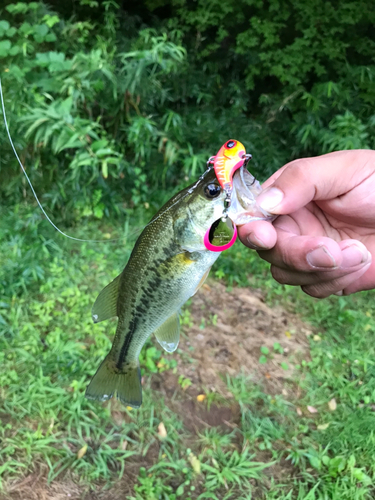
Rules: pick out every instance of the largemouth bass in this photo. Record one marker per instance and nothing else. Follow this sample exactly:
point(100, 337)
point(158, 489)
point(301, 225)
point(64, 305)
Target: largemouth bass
point(170, 261)
point(167, 266)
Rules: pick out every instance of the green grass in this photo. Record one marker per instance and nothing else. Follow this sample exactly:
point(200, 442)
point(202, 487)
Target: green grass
point(49, 349)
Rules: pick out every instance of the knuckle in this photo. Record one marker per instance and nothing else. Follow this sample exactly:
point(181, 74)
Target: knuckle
point(321, 291)
point(265, 255)
point(314, 292)
point(291, 260)
point(279, 275)
point(297, 168)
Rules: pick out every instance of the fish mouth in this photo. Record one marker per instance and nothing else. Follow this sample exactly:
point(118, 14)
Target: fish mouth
point(222, 234)
point(244, 207)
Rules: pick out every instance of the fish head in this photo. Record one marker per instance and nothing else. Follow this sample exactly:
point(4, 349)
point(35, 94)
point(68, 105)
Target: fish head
point(244, 207)
point(202, 204)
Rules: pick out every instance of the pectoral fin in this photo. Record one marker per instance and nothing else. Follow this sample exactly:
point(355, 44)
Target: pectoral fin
point(168, 334)
point(105, 306)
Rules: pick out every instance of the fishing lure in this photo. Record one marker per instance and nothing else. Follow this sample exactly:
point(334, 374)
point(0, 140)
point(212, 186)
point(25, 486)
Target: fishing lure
point(230, 157)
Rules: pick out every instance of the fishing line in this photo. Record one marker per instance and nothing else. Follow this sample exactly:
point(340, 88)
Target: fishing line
point(41, 207)
point(32, 188)
point(189, 191)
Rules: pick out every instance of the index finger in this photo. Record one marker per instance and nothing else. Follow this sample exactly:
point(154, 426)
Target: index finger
point(320, 178)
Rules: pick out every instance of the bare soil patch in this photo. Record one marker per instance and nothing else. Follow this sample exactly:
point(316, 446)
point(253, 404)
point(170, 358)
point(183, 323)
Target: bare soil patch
point(230, 327)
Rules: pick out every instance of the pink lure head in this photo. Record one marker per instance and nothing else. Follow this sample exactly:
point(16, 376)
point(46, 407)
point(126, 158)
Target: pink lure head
point(229, 158)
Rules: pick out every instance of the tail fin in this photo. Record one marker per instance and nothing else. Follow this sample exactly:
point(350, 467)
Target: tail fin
point(109, 381)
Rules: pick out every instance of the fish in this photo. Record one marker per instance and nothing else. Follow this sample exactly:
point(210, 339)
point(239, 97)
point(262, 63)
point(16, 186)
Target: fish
point(169, 263)
point(167, 266)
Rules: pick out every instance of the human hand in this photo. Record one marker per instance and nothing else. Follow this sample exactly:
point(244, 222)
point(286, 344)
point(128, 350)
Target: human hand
point(325, 234)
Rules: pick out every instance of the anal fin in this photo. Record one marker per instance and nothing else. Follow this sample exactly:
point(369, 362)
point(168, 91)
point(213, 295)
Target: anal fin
point(168, 334)
point(105, 306)
point(202, 280)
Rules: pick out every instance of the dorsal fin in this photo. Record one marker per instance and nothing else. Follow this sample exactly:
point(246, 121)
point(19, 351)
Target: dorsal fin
point(105, 306)
point(168, 334)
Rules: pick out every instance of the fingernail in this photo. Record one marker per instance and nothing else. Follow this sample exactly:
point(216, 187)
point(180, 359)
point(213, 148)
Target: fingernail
point(255, 242)
point(270, 198)
point(353, 256)
point(320, 257)
point(338, 293)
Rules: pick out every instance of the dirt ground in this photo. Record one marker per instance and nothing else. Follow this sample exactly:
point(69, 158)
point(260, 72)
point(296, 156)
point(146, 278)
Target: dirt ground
point(236, 325)
point(227, 332)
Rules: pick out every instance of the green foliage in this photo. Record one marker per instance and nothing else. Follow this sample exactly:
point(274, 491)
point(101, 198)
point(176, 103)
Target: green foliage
point(80, 108)
point(107, 107)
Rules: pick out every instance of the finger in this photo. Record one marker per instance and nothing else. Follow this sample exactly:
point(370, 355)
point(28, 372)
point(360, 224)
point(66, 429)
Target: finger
point(354, 257)
point(320, 178)
point(303, 253)
point(325, 289)
point(258, 235)
point(364, 282)
point(274, 176)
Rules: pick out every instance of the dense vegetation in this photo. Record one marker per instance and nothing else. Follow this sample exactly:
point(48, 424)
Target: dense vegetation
point(111, 108)
point(108, 104)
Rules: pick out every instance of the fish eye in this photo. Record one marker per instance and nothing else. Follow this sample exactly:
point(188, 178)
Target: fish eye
point(212, 191)
point(230, 144)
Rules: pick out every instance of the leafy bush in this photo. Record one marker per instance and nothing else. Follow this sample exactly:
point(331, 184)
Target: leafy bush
point(110, 107)
point(75, 107)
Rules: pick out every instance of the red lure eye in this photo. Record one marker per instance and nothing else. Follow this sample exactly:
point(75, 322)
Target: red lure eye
point(230, 144)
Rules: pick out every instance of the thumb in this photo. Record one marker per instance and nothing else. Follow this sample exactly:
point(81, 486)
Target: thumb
point(321, 178)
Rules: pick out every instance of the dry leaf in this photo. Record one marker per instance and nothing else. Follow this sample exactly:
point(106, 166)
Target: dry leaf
point(288, 334)
point(267, 375)
point(299, 411)
point(195, 463)
point(162, 431)
point(312, 409)
point(332, 405)
point(124, 445)
point(82, 452)
point(201, 397)
point(323, 427)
